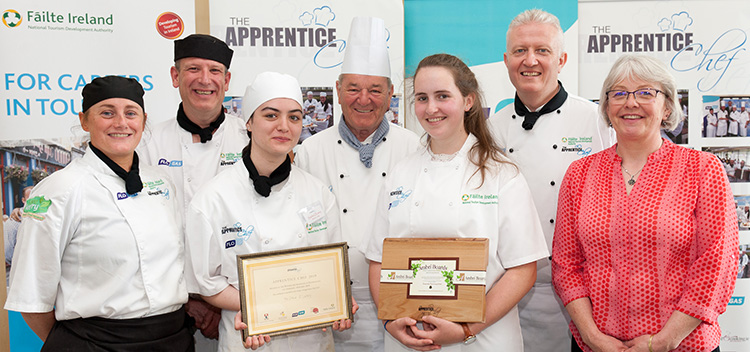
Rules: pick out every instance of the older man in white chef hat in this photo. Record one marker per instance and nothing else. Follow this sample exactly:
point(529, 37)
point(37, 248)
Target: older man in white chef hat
point(354, 159)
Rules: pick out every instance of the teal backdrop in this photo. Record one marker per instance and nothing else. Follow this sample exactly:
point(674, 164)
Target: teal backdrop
point(473, 30)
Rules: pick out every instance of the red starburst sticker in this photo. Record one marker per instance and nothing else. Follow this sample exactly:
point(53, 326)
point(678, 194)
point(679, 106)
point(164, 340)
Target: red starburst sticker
point(169, 25)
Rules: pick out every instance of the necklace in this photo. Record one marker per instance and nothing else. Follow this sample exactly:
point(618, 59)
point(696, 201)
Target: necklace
point(631, 181)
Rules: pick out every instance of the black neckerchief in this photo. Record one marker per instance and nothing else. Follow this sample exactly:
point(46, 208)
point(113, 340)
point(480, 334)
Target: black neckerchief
point(205, 133)
point(132, 179)
point(263, 184)
point(530, 117)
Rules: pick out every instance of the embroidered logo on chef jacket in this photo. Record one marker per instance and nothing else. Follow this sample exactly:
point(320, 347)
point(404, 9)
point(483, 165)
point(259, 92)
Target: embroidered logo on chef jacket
point(35, 207)
point(578, 145)
point(156, 192)
point(242, 235)
point(226, 159)
point(173, 163)
point(482, 199)
point(124, 195)
point(398, 196)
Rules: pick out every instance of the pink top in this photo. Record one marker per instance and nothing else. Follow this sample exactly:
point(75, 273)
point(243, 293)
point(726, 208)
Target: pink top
point(672, 244)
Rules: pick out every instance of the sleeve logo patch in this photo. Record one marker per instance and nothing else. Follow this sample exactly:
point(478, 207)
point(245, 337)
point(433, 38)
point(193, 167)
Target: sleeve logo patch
point(36, 206)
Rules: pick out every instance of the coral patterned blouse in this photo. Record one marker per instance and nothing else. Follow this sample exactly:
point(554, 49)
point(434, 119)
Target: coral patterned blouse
point(672, 244)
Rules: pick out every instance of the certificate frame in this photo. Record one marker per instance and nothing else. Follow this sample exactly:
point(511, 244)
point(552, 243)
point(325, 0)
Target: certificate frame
point(284, 291)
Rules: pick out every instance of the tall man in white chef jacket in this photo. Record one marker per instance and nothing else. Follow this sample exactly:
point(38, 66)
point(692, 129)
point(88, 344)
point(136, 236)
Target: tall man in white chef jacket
point(544, 131)
point(354, 158)
point(201, 141)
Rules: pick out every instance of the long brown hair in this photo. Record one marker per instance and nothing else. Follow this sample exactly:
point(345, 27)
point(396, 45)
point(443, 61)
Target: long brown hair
point(485, 149)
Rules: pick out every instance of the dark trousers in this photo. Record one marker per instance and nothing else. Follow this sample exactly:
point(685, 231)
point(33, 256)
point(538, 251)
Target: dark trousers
point(574, 347)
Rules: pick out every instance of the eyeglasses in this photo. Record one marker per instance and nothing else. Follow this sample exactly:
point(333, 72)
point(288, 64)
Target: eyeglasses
point(642, 96)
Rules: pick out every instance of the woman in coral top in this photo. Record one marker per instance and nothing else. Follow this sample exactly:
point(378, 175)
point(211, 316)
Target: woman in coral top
point(645, 249)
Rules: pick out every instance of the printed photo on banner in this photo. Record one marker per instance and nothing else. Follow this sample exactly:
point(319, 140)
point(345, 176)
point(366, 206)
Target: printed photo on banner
point(742, 203)
point(725, 116)
point(743, 272)
point(735, 160)
point(233, 106)
point(317, 103)
point(392, 113)
point(25, 163)
point(679, 135)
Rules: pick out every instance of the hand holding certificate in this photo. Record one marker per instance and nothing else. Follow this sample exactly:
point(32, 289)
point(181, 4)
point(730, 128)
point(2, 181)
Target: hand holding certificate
point(295, 290)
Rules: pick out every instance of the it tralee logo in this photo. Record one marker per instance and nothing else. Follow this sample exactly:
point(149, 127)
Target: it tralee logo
point(11, 18)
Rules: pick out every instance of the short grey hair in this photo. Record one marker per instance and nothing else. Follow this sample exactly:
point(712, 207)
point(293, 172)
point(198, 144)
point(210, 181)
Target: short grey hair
point(645, 68)
point(537, 16)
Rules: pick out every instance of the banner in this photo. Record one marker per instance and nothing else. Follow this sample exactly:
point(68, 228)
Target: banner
point(704, 45)
point(52, 49)
point(306, 40)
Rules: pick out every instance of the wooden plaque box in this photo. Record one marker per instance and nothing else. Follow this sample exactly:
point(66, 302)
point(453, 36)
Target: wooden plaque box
point(462, 303)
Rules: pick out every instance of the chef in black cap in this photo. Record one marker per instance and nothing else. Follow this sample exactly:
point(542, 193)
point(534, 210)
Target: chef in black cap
point(99, 258)
point(201, 141)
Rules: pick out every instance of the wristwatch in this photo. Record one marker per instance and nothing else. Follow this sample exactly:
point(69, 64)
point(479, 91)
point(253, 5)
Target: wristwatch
point(469, 336)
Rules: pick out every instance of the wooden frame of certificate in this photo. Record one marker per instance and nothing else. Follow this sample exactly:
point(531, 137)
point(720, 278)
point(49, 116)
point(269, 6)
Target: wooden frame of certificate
point(294, 290)
point(444, 277)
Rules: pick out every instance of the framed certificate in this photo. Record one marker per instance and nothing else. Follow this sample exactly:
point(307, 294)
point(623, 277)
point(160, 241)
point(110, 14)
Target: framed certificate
point(294, 290)
point(444, 277)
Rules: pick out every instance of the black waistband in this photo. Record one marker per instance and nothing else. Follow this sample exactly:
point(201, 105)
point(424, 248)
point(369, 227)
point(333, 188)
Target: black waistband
point(165, 332)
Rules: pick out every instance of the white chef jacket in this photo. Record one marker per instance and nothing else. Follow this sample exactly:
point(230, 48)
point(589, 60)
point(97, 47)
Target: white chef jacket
point(744, 118)
point(189, 164)
point(94, 251)
point(711, 122)
point(307, 102)
point(543, 155)
point(733, 123)
point(327, 157)
point(425, 198)
point(227, 217)
point(721, 128)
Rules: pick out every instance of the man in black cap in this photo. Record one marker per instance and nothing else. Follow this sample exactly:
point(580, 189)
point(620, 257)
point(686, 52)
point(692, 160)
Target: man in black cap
point(202, 140)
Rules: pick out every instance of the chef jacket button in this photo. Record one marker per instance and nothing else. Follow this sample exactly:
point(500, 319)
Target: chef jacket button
point(551, 183)
point(384, 139)
point(339, 141)
point(513, 116)
point(425, 169)
point(300, 235)
point(383, 174)
point(344, 210)
point(510, 150)
point(266, 241)
point(558, 111)
point(189, 179)
point(416, 203)
point(290, 196)
point(341, 176)
point(550, 257)
point(551, 221)
point(554, 146)
point(450, 204)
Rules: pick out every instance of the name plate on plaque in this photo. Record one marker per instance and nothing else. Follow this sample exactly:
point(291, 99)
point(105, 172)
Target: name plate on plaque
point(444, 277)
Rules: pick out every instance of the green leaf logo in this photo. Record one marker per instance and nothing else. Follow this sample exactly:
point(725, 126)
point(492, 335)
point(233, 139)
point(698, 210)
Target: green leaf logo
point(37, 205)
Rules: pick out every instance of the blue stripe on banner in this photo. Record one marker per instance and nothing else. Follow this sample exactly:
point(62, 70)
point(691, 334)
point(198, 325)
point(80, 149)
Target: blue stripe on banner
point(473, 30)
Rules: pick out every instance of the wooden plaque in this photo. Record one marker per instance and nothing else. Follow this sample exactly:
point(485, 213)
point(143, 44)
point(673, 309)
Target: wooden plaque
point(458, 302)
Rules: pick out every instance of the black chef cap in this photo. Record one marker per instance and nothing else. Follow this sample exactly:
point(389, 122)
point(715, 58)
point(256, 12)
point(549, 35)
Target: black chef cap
point(203, 46)
point(102, 88)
